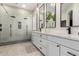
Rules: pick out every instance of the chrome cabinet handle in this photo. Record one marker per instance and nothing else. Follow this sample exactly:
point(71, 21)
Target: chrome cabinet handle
point(71, 53)
point(10, 30)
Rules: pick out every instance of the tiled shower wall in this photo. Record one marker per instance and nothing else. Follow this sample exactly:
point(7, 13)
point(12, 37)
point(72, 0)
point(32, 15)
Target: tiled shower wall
point(5, 19)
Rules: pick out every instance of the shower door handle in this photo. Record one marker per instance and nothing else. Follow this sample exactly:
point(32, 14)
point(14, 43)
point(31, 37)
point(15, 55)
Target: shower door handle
point(10, 30)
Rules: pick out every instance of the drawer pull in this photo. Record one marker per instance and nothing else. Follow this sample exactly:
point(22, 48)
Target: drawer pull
point(40, 41)
point(58, 45)
point(71, 53)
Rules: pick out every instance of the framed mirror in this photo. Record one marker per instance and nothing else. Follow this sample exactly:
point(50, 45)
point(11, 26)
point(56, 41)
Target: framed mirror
point(66, 14)
point(50, 15)
point(42, 16)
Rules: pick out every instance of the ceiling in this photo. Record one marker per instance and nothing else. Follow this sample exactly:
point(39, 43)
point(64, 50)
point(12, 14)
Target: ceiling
point(27, 6)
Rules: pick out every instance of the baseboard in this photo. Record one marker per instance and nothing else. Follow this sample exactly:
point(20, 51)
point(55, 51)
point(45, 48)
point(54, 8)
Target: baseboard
point(14, 42)
point(38, 49)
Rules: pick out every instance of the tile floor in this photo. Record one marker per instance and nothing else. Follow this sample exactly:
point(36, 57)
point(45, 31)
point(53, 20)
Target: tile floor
point(19, 49)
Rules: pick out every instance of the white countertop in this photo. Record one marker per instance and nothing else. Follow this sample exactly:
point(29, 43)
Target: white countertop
point(68, 36)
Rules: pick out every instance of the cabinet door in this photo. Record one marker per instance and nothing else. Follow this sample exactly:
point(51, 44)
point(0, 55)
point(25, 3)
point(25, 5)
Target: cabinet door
point(53, 49)
point(68, 52)
point(35, 39)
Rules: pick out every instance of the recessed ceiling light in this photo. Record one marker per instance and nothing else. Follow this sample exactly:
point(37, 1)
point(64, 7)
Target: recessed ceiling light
point(23, 5)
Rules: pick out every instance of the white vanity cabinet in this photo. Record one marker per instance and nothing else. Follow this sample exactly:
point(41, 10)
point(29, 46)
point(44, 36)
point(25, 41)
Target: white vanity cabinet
point(45, 46)
point(39, 40)
point(51, 45)
point(65, 51)
point(36, 39)
point(53, 49)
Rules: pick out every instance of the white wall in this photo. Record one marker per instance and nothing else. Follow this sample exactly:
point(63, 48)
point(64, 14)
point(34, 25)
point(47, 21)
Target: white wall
point(34, 20)
point(20, 14)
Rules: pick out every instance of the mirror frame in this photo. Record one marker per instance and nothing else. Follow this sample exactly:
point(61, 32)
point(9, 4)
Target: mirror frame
point(54, 13)
point(42, 5)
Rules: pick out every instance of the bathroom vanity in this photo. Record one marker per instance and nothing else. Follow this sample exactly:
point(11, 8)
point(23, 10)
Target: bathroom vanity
point(55, 44)
point(60, 18)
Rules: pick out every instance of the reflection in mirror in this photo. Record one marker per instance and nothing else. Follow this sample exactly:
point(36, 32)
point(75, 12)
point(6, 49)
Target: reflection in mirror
point(51, 15)
point(66, 14)
point(42, 16)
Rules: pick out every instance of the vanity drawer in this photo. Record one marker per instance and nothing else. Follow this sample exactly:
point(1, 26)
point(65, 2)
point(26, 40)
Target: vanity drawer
point(66, 42)
point(43, 42)
point(44, 36)
point(36, 34)
point(70, 43)
point(54, 39)
point(43, 50)
point(68, 52)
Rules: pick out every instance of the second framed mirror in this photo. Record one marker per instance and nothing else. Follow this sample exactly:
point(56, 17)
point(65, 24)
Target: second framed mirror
point(66, 14)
